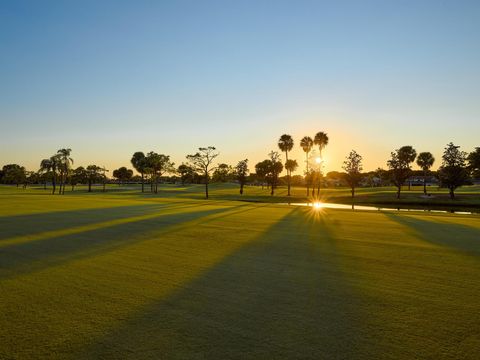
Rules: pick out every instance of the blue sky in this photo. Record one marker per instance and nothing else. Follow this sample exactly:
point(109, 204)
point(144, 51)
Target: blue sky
point(108, 78)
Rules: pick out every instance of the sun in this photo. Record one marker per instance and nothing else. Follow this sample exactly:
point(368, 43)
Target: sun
point(318, 160)
point(317, 205)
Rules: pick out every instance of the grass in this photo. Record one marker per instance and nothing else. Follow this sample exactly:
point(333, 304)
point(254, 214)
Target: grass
point(125, 275)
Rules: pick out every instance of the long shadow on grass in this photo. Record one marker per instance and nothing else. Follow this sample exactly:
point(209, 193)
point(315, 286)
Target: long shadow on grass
point(22, 225)
point(459, 237)
point(283, 295)
point(22, 258)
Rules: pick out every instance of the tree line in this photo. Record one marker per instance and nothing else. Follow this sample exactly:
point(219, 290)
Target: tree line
point(457, 168)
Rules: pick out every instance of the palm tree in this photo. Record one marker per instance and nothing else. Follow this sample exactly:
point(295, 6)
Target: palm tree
point(47, 165)
point(51, 164)
point(290, 165)
point(425, 160)
point(285, 144)
point(65, 162)
point(307, 143)
point(139, 163)
point(321, 140)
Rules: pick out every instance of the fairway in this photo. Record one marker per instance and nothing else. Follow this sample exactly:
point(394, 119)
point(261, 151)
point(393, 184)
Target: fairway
point(127, 276)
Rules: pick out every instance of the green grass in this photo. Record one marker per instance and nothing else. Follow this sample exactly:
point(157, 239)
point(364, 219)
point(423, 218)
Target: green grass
point(125, 275)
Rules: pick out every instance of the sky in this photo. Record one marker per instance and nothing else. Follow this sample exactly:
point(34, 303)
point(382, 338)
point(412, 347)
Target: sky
point(108, 78)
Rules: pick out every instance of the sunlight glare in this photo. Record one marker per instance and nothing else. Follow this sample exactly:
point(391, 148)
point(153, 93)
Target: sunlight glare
point(317, 205)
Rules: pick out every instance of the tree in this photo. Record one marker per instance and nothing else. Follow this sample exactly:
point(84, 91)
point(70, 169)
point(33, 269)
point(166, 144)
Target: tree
point(290, 165)
point(186, 173)
point(241, 173)
point(400, 165)
point(50, 166)
point(453, 172)
point(307, 144)
point(78, 176)
point(261, 170)
point(274, 168)
point(474, 163)
point(14, 174)
point(425, 161)
point(321, 140)
point(202, 162)
point(122, 174)
point(93, 174)
point(139, 163)
point(353, 168)
point(158, 164)
point(285, 144)
point(222, 173)
point(103, 177)
point(64, 165)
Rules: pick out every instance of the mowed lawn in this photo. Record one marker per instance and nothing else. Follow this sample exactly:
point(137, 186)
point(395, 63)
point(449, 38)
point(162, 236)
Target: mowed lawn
point(130, 276)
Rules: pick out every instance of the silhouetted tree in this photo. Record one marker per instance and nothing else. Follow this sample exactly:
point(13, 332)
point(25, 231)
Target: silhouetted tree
point(307, 144)
point(285, 144)
point(400, 165)
point(103, 172)
point(321, 140)
point(453, 172)
point(122, 174)
point(139, 163)
point(290, 165)
point(474, 163)
point(261, 170)
point(186, 173)
point(64, 166)
point(274, 168)
point(425, 161)
point(14, 174)
point(222, 173)
point(158, 164)
point(94, 174)
point(353, 168)
point(48, 166)
point(202, 162)
point(78, 176)
point(241, 173)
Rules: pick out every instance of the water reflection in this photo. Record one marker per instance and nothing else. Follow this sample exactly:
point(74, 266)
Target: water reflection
point(322, 205)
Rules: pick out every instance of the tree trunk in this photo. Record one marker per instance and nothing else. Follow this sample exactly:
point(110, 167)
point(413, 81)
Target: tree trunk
point(73, 187)
point(53, 183)
point(399, 188)
point(89, 185)
point(353, 192)
point(307, 176)
point(288, 174)
point(206, 186)
point(241, 189)
point(45, 185)
point(452, 194)
point(60, 184)
point(143, 182)
point(425, 183)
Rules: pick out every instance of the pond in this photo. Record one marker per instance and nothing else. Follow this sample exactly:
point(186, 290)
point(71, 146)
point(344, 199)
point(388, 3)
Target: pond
point(322, 205)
